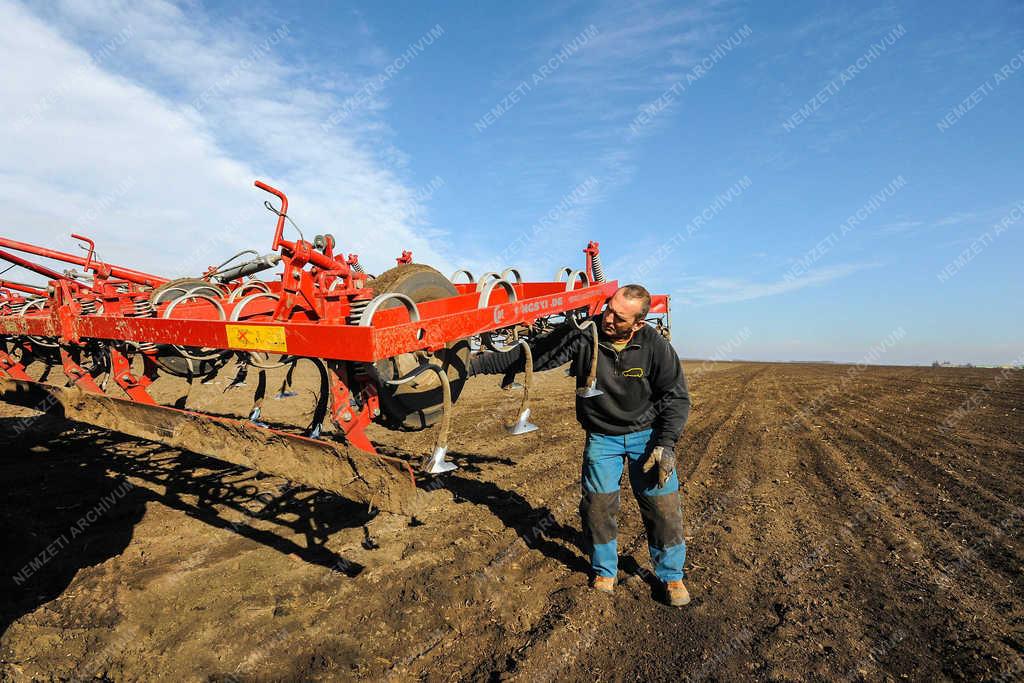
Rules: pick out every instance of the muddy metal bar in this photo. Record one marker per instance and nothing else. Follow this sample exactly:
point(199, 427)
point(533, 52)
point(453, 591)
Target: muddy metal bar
point(129, 274)
point(386, 482)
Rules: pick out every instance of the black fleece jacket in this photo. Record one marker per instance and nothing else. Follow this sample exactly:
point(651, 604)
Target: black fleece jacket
point(643, 384)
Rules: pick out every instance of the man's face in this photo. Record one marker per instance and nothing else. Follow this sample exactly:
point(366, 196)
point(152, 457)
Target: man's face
point(619, 319)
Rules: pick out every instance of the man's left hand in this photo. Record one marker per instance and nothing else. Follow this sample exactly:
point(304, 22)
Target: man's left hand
point(665, 458)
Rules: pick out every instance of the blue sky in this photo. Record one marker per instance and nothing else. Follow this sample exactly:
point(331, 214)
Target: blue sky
point(145, 123)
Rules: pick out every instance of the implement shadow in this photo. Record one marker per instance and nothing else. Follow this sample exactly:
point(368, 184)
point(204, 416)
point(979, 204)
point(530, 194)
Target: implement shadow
point(61, 510)
point(258, 498)
point(58, 474)
point(536, 526)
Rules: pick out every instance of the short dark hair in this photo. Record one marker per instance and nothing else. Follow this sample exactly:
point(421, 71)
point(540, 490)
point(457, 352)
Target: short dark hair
point(640, 292)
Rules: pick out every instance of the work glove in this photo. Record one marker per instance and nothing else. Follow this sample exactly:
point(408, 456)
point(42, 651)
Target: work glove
point(665, 459)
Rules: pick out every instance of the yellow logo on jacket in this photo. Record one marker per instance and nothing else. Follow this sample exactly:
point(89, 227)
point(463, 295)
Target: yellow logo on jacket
point(633, 372)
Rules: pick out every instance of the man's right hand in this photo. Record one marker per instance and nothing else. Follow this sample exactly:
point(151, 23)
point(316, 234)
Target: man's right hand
point(665, 458)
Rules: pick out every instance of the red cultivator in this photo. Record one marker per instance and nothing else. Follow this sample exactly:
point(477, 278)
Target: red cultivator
point(392, 349)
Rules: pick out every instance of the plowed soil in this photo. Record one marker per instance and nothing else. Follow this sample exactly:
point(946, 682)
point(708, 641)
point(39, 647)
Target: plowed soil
point(853, 523)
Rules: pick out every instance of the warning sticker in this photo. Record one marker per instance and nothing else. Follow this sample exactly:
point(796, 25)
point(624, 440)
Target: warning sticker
point(257, 337)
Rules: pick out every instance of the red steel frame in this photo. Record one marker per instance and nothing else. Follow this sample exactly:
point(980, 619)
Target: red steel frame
point(441, 322)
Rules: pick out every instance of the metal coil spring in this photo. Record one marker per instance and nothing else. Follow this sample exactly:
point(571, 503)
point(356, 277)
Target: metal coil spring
point(595, 266)
point(358, 267)
point(142, 307)
point(88, 306)
point(356, 312)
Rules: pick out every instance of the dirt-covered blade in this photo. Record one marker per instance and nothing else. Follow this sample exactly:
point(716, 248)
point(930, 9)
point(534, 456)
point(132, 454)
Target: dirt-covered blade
point(386, 483)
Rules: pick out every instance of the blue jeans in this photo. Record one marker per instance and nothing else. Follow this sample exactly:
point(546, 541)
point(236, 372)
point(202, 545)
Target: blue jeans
point(604, 458)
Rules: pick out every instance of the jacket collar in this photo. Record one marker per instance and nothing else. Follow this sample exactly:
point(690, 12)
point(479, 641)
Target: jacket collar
point(634, 341)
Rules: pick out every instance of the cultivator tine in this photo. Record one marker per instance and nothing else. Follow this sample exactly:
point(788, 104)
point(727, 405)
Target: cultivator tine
point(589, 391)
point(255, 415)
point(437, 463)
point(523, 424)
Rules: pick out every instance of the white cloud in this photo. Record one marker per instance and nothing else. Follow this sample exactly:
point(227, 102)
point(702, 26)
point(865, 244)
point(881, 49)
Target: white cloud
point(116, 130)
point(958, 217)
point(719, 290)
point(898, 227)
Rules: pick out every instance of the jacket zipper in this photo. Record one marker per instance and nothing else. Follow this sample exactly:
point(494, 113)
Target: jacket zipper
point(617, 354)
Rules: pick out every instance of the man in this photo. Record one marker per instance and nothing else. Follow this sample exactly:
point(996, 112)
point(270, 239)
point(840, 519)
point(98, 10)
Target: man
point(637, 419)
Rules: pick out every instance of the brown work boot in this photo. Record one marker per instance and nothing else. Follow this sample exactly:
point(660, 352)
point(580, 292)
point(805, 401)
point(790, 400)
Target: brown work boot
point(605, 584)
point(677, 594)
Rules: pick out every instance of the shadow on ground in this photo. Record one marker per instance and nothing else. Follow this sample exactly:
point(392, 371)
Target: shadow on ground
point(537, 526)
point(69, 504)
